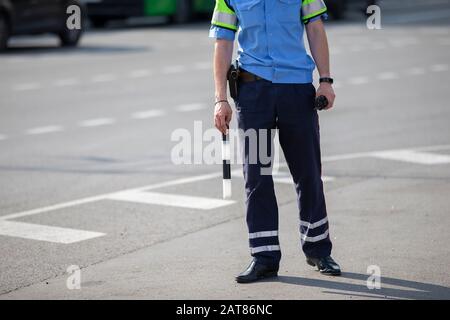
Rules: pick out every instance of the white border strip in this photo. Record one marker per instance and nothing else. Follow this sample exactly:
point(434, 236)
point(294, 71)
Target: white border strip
point(263, 234)
point(264, 248)
point(316, 238)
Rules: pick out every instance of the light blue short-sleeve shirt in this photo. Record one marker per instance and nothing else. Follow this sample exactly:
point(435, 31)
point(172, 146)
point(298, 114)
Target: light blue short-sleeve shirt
point(270, 37)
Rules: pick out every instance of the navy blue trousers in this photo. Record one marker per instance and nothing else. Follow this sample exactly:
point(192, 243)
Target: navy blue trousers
point(288, 108)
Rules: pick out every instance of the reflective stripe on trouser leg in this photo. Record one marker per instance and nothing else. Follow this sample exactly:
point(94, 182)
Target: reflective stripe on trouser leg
point(299, 138)
point(261, 205)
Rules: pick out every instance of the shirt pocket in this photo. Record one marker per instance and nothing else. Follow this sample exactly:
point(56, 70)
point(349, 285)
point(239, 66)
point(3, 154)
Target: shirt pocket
point(249, 12)
point(289, 10)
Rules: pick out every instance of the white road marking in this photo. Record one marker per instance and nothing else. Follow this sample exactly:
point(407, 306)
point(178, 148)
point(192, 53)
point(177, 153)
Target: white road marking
point(173, 69)
point(172, 200)
point(416, 71)
point(148, 114)
point(190, 107)
point(97, 122)
point(203, 65)
point(412, 156)
point(358, 80)
point(439, 67)
point(141, 73)
point(27, 86)
point(45, 233)
point(402, 42)
point(378, 46)
point(183, 44)
point(81, 201)
point(356, 48)
point(46, 129)
point(107, 77)
point(182, 181)
point(335, 50)
point(444, 41)
point(387, 76)
point(67, 82)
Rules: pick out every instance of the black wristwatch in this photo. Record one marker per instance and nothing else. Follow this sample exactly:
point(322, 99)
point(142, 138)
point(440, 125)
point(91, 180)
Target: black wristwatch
point(327, 80)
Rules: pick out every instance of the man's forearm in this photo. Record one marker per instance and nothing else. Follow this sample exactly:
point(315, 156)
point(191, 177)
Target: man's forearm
point(223, 54)
point(318, 44)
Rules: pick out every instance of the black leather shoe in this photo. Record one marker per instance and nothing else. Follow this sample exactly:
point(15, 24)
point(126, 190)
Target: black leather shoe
point(256, 271)
point(325, 265)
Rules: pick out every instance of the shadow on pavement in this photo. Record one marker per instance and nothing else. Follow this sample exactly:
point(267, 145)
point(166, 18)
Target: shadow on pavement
point(407, 289)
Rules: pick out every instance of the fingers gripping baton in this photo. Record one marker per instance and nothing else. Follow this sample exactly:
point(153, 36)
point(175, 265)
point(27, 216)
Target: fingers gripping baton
point(226, 167)
point(321, 103)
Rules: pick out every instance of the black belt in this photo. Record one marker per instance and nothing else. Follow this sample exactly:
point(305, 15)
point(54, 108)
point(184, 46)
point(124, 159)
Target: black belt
point(246, 76)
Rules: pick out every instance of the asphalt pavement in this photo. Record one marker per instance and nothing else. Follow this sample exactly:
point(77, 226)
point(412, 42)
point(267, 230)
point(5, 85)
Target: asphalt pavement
point(87, 177)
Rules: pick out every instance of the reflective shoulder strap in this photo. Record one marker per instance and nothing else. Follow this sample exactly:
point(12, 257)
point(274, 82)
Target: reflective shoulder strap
point(312, 8)
point(224, 16)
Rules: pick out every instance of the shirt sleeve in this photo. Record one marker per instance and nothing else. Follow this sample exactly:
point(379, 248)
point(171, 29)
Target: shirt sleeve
point(221, 33)
point(224, 21)
point(313, 10)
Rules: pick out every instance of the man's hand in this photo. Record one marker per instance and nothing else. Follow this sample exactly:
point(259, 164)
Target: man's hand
point(222, 116)
point(325, 89)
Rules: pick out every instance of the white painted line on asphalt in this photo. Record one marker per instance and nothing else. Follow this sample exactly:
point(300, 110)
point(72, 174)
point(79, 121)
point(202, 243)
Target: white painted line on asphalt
point(190, 107)
point(378, 46)
point(171, 200)
point(356, 48)
point(141, 73)
point(412, 156)
point(184, 44)
point(358, 80)
point(45, 233)
point(192, 179)
point(434, 31)
point(203, 65)
point(444, 41)
point(387, 76)
point(97, 122)
point(335, 50)
point(439, 68)
point(46, 129)
point(107, 77)
point(81, 201)
point(173, 69)
point(400, 42)
point(148, 114)
point(67, 82)
point(27, 86)
point(416, 71)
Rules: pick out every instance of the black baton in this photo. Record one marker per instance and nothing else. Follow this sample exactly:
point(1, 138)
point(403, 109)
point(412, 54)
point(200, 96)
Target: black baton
point(226, 167)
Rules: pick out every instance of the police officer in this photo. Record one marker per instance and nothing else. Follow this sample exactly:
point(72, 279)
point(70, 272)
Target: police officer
point(276, 92)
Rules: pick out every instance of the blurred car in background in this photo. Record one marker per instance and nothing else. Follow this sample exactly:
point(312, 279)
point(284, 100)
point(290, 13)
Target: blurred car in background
point(336, 8)
point(179, 11)
point(20, 17)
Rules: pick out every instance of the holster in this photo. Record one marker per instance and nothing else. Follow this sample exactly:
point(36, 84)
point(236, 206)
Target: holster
point(233, 80)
